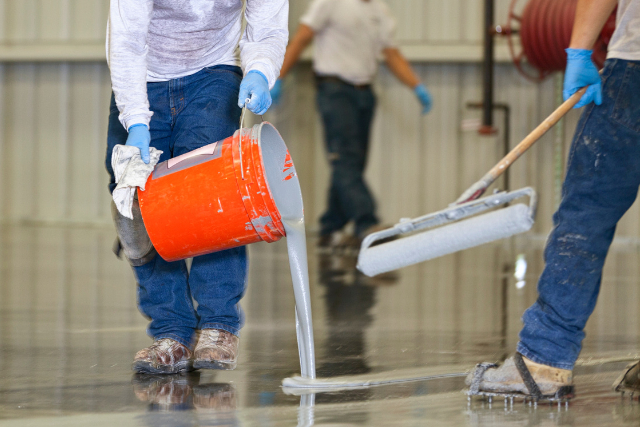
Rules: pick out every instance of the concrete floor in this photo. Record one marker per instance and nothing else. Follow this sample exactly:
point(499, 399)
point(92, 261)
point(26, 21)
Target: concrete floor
point(69, 327)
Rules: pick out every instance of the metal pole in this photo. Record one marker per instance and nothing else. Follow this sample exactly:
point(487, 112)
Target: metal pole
point(507, 141)
point(487, 67)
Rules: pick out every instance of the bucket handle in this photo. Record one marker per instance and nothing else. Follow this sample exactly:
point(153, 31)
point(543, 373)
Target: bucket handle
point(244, 110)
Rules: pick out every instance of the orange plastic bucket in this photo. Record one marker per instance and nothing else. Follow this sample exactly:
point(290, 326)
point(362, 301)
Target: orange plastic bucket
point(217, 197)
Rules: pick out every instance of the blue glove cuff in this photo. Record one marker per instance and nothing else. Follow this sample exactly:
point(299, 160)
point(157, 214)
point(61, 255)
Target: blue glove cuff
point(259, 72)
point(137, 125)
point(419, 88)
point(578, 53)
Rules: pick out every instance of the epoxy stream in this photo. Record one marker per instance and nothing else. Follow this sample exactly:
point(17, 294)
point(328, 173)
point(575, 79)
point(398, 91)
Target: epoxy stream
point(285, 189)
point(297, 248)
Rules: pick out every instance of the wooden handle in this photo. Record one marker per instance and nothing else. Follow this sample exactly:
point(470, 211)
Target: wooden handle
point(478, 189)
point(536, 134)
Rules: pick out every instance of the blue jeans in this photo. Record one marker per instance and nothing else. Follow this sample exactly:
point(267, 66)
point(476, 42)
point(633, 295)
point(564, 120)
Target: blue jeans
point(602, 182)
point(347, 113)
point(188, 113)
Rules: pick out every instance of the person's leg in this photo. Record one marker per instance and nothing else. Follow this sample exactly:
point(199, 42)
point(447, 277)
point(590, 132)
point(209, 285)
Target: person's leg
point(163, 294)
point(333, 219)
point(601, 184)
point(217, 281)
point(330, 96)
point(350, 198)
point(211, 114)
point(116, 134)
point(366, 110)
point(164, 297)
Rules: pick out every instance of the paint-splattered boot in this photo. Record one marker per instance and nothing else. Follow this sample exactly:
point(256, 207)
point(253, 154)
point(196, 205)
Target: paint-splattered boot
point(521, 377)
point(216, 349)
point(164, 356)
point(629, 381)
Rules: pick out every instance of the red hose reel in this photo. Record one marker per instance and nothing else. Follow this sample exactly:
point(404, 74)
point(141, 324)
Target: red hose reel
point(544, 28)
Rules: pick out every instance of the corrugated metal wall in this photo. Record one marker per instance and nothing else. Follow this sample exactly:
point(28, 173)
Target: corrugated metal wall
point(53, 22)
point(53, 118)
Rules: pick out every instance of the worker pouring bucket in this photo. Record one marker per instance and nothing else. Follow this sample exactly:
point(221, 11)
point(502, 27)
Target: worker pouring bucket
point(226, 194)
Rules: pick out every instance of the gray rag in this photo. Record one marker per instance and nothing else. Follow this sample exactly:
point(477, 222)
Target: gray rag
point(130, 172)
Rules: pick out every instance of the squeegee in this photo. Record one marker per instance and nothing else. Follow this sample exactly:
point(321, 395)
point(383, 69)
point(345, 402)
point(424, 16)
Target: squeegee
point(459, 226)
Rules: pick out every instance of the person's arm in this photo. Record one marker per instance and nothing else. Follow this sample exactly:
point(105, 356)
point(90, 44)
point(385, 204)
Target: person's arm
point(299, 42)
point(581, 71)
point(401, 68)
point(127, 58)
point(262, 49)
point(265, 38)
point(315, 19)
point(591, 16)
point(397, 63)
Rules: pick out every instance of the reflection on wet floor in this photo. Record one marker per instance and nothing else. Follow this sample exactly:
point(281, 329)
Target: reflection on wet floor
point(69, 327)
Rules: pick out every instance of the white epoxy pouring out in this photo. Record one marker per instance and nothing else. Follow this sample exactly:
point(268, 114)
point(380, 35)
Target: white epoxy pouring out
point(285, 189)
point(297, 248)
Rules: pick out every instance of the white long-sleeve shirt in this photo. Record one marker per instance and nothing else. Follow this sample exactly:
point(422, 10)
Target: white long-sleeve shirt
point(160, 40)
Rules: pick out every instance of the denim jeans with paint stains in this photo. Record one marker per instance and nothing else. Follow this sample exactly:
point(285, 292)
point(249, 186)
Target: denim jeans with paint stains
point(603, 176)
point(188, 113)
point(347, 113)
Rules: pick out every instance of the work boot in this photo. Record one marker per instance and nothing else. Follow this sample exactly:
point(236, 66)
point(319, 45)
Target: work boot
point(519, 375)
point(216, 349)
point(629, 381)
point(164, 356)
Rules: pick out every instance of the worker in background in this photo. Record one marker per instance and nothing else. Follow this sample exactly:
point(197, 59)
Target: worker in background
point(350, 37)
point(177, 86)
point(603, 176)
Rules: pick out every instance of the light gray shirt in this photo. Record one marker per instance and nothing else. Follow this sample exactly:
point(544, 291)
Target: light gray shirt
point(625, 42)
point(349, 36)
point(160, 40)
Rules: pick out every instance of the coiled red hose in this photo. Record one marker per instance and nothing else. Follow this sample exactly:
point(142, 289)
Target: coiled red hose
point(545, 31)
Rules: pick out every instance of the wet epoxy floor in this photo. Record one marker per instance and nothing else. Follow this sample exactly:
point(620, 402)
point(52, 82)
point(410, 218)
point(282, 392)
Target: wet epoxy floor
point(69, 327)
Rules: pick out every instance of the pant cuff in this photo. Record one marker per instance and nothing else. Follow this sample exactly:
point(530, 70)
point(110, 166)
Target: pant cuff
point(523, 350)
point(222, 326)
point(185, 342)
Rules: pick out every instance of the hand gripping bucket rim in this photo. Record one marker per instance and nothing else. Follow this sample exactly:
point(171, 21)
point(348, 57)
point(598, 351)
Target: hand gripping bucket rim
point(228, 194)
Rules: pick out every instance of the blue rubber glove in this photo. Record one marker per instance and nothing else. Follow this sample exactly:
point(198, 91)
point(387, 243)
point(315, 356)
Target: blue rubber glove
point(255, 87)
point(140, 137)
point(276, 92)
point(582, 72)
point(424, 97)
